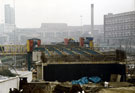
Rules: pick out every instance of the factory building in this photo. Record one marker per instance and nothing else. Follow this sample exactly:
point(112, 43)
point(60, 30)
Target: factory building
point(119, 29)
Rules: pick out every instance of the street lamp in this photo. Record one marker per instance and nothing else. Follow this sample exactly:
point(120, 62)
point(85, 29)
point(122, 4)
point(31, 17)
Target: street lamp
point(14, 31)
point(81, 18)
point(14, 22)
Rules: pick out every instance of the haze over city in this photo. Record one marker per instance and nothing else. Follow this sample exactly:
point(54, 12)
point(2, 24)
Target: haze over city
point(31, 13)
point(67, 46)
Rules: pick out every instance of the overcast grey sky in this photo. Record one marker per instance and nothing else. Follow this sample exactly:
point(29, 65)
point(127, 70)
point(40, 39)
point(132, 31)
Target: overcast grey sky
point(31, 13)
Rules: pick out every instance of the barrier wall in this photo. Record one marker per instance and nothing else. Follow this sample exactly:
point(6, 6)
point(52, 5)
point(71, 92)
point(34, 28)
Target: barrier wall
point(13, 82)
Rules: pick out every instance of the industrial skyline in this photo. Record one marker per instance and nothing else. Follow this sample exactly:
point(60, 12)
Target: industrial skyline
point(67, 46)
point(63, 11)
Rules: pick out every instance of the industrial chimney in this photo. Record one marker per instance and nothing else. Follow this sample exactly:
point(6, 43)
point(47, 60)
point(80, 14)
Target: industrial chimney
point(92, 18)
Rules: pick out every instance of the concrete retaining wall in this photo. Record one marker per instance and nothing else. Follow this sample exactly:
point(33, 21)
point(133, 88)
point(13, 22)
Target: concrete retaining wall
point(69, 72)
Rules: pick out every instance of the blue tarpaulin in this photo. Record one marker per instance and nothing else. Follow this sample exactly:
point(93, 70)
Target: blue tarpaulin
point(95, 79)
point(85, 80)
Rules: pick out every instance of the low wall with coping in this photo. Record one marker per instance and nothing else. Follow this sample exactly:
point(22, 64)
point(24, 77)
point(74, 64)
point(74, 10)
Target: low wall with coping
point(13, 82)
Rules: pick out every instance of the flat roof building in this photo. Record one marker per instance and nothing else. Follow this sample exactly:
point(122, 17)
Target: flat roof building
point(119, 29)
point(9, 14)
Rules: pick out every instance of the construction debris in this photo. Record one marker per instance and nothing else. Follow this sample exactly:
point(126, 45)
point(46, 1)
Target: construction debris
point(67, 87)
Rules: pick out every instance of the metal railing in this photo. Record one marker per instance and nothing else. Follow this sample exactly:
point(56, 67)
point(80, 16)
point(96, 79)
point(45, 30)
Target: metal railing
point(12, 49)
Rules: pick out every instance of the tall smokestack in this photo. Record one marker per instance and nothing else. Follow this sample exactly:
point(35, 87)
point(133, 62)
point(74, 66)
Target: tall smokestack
point(92, 18)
